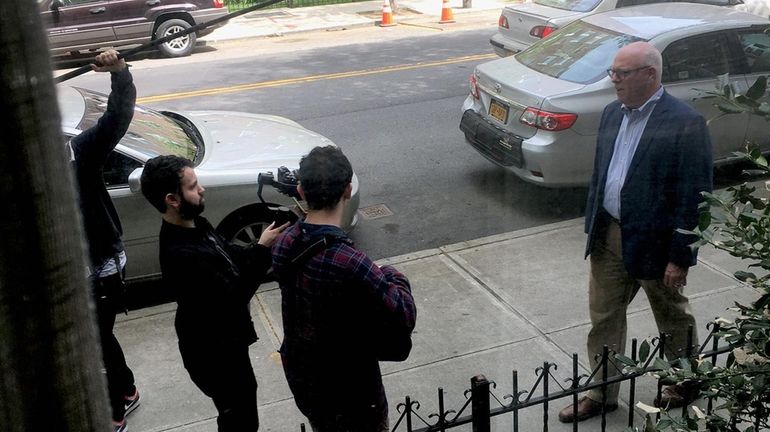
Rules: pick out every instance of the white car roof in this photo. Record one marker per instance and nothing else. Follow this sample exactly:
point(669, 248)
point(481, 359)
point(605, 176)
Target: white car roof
point(649, 21)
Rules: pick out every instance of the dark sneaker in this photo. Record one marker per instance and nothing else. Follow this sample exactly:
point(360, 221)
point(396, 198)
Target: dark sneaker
point(131, 402)
point(120, 426)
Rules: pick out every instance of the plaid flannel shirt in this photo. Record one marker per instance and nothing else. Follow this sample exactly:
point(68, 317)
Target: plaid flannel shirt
point(331, 304)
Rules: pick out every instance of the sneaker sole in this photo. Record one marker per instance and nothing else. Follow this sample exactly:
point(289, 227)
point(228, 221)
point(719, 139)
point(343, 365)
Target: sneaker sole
point(132, 407)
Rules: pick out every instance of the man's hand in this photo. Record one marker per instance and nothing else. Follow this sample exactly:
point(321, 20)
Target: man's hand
point(270, 234)
point(108, 61)
point(675, 276)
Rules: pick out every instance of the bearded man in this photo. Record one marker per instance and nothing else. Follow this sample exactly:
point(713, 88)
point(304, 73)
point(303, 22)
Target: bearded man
point(213, 282)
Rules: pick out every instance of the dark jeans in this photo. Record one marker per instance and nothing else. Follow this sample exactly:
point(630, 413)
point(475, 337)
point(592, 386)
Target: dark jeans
point(109, 293)
point(226, 376)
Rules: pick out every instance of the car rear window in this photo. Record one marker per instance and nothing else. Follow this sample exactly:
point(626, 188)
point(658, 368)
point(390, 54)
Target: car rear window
point(580, 53)
point(570, 5)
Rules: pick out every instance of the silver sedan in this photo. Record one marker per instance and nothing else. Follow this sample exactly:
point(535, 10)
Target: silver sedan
point(229, 150)
point(520, 25)
point(537, 113)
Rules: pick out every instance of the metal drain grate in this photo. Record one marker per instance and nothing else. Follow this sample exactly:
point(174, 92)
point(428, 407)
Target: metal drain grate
point(375, 211)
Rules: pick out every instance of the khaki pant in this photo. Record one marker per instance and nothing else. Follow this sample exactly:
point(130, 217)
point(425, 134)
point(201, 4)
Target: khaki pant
point(610, 290)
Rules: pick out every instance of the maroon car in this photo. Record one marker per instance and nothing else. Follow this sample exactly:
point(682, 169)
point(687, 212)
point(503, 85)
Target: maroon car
point(75, 25)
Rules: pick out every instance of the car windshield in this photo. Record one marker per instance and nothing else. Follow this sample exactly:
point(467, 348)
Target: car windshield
point(151, 133)
point(580, 53)
point(570, 5)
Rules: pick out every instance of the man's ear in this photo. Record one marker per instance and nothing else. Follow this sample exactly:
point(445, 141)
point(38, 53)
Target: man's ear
point(301, 191)
point(172, 201)
point(348, 191)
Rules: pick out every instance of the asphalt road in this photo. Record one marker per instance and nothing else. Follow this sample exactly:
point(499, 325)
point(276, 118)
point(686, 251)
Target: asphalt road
point(394, 108)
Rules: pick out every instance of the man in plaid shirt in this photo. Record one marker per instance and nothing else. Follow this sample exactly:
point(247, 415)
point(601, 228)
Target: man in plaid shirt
point(341, 312)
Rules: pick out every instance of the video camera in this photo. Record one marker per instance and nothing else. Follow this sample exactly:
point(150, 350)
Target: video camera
point(285, 182)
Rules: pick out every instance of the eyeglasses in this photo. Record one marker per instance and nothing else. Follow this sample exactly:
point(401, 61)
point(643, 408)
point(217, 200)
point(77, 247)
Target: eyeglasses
point(623, 74)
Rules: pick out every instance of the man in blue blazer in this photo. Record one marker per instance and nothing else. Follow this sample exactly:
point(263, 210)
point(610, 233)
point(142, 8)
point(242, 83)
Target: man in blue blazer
point(653, 160)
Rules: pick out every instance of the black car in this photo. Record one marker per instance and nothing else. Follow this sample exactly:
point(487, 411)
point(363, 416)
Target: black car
point(76, 25)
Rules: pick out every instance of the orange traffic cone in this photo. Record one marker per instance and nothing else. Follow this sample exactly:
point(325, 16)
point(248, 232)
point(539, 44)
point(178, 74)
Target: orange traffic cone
point(446, 13)
point(387, 15)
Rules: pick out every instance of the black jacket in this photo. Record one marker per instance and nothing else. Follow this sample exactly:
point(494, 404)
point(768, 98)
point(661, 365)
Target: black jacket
point(213, 283)
point(671, 167)
point(91, 148)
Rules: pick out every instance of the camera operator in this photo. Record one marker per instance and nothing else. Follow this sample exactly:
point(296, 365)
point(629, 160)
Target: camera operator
point(341, 312)
point(213, 282)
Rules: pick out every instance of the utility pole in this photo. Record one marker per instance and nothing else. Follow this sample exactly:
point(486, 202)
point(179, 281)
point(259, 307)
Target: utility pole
point(50, 360)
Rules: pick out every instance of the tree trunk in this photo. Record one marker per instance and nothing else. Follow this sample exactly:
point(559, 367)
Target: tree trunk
point(50, 360)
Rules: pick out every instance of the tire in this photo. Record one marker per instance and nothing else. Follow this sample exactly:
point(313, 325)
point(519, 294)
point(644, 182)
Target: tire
point(244, 226)
point(179, 47)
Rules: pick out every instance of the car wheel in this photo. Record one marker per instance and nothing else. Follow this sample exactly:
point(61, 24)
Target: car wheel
point(244, 226)
point(178, 47)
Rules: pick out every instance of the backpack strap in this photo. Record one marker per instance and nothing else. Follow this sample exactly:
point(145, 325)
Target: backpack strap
point(303, 250)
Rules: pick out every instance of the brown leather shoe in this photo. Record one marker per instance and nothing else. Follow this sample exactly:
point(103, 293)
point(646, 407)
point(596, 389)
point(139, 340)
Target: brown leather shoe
point(586, 408)
point(677, 396)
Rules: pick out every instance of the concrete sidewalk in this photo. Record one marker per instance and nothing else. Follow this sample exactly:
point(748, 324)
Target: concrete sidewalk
point(283, 21)
point(488, 306)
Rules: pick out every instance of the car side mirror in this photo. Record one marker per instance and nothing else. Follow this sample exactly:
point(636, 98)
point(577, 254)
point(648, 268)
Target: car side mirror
point(56, 4)
point(135, 180)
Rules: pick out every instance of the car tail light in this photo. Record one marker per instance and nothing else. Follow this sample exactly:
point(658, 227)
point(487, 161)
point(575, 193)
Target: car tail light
point(547, 120)
point(502, 21)
point(219, 3)
point(541, 31)
point(474, 86)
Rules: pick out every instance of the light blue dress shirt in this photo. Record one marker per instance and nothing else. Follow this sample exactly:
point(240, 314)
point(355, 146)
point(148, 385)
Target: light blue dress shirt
point(629, 134)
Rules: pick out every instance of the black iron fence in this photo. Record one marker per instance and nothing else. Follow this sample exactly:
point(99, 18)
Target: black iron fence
point(482, 404)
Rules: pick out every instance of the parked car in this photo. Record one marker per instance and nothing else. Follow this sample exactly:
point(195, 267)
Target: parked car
point(521, 25)
point(228, 149)
point(537, 113)
point(77, 25)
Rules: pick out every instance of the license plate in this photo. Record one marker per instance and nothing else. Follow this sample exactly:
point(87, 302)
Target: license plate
point(498, 110)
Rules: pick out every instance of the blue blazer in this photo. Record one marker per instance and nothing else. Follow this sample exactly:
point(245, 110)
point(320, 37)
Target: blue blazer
point(672, 165)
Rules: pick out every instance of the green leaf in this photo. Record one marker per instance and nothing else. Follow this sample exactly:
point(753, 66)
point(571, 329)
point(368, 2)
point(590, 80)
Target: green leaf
point(692, 424)
point(757, 90)
point(644, 351)
point(729, 108)
point(727, 91)
point(761, 161)
point(704, 220)
point(744, 276)
point(661, 364)
point(625, 360)
point(742, 99)
point(737, 381)
point(763, 109)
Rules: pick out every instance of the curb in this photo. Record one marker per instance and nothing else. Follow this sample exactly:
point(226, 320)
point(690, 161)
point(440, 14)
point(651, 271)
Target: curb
point(414, 18)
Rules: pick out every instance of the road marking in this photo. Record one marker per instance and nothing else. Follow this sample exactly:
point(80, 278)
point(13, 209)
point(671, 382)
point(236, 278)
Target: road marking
point(311, 78)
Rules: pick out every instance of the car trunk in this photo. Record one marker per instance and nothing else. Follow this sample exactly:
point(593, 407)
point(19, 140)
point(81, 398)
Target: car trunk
point(523, 17)
point(507, 88)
